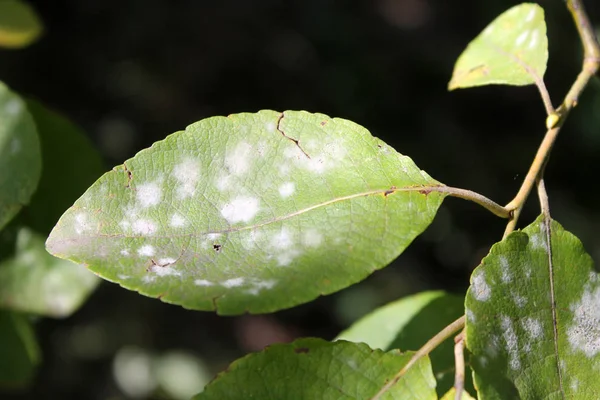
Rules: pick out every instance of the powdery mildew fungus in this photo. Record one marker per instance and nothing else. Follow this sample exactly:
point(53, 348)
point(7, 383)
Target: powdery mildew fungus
point(164, 271)
point(238, 160)
point(510, 340)
point(82, 223)
point(312, 238)
point(258, 286)
point(287, 189)
point(533, 327)
point(283, 245)
point(146, 250)
point(125, 252)
point(187, 173)
point(149, 194)
point(144, 227)
point(470, 316)
point(177, 221)
point(481, 290)
point(234, 282)
point(519, 300)
point(166, 261)
point(584, 333)
point(203, 282)
point(240, 209)
point(506, 276)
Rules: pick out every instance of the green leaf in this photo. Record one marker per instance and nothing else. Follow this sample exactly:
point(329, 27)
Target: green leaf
point(316, 369)
point(408, 323)
point(19, 349)
point(31, 280)
point(251, 212)
point(451, 395)
point(512, 50)
point(20, 159)
point(533, 317)
point(19, 24)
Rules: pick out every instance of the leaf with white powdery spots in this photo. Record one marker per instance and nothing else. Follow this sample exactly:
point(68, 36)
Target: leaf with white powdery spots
point(251, 212)
point(317, 369)
point(20, 158)
point(533, 317)
point(512, 50)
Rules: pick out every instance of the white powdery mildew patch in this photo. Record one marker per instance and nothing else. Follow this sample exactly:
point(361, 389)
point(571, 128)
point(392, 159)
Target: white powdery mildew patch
point(312, 238)
point(519, 300)
point(584, 333)
point(510, 339)
point(123, 277)
point(238, 160)
point(521, 38)
point(177, 221)
point(144, 227)
point(125, 252)
point(470, 316)
point(506, 276)
point(240, 209)
point(146, 250)
point(533, 327)
point(213, 236)
point(164, 271)
point(534, 39)
point(287, 189)
point(149, 194)
point(233, 282)
point(481, 290)
point(284, 243)
point(187, 174)
point(203, 282)
point(257, 286)
point(82, 223)
point(166, 261)
point(270, 127)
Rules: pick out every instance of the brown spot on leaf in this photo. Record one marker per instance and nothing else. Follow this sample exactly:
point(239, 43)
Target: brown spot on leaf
point(425, 191)
point(217, 247)
point(301, 350)
point(389, 191)
point(323, 123)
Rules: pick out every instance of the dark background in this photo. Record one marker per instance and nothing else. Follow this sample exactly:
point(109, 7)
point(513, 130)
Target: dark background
point(131, 72)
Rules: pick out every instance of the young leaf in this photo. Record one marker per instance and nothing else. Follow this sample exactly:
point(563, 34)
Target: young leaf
point(19, 24)
point(20, 159)
point(19, 349)
point(512, 50)
point(31, 280)
point(451, 395)
point(317, 369)
point(407, 324)
point(251, 212)
point(533, 317)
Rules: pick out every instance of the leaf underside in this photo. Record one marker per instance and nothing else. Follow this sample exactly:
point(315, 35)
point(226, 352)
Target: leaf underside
point(251, 212)
point(317, 369)
point(512, 50)
point(533, 317)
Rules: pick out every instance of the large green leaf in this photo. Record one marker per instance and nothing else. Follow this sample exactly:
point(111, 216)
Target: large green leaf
point(533, 317)
point(407, 324)
point(251, 212)
point(18, 348)
point(19, 24)
point(31, 280)
point(512, 50)
point(20, 159)
point(316, 369)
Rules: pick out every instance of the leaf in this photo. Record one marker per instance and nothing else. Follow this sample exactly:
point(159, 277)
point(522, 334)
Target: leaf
point(533, 326)
point(19, 349)
point(408, 323)
point(317, 369)
point(253, 212)
point(31, 280)
point(20, 159)
point(451, 395)
point(512, 50)
point(19, 24)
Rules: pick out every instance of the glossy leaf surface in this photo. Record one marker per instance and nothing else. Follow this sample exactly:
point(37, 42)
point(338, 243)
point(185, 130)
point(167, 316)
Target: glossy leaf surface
point(512, 50)
point(316, 369)
point(20, 158)
point(533, 317)
point(251, 212)
point(407, 324)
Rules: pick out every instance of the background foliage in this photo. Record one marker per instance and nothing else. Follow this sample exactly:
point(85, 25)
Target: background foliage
point(131, 72)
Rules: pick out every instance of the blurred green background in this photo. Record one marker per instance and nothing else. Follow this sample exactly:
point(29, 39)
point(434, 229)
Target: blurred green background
point(130, 72)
